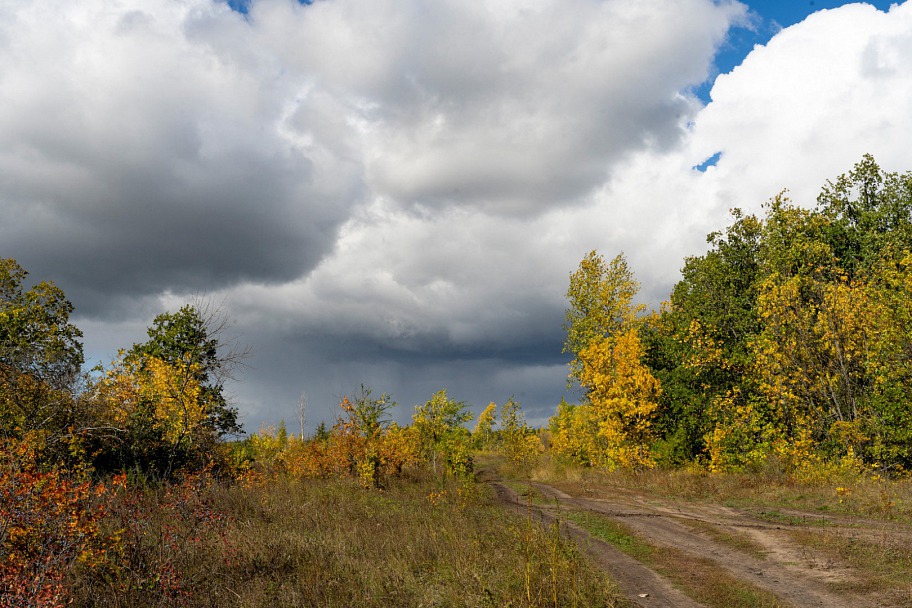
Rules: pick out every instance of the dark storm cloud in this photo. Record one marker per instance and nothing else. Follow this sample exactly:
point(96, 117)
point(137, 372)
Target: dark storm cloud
point(137, 159)
point(214, 227)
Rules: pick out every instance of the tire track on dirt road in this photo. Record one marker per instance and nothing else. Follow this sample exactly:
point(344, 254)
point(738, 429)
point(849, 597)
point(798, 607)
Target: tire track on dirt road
point(641, 585)
point(785, 570)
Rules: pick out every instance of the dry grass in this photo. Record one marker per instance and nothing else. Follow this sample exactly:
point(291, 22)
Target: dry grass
point(332, 543)
point(849, 493)
point(882, 563)
point(736, 540)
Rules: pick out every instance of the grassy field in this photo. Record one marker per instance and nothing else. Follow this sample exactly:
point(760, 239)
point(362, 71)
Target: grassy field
point(419, 541)
point(333, 543)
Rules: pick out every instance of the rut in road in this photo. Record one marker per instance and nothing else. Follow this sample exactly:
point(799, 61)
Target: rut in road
point(787, 571)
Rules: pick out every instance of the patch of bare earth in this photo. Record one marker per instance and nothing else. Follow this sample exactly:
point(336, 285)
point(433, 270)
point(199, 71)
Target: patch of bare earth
point(759, 549)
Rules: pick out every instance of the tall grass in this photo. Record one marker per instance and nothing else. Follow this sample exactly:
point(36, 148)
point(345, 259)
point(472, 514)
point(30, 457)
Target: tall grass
point(333, 543)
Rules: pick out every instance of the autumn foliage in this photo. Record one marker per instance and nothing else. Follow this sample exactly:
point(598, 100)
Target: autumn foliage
point(365, 444)
point(787, 344)
point(613, 426)
point(50, 520)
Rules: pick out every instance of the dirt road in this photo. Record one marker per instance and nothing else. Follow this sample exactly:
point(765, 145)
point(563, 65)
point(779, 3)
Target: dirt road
point(767, 558)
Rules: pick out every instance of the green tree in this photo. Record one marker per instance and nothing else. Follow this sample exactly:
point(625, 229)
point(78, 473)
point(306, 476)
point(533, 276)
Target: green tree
point(40, 357)
point(699, 345)
point(439, 423)
point(368, 415)
point(869, 213)
point(719, 288)
point(888, 425)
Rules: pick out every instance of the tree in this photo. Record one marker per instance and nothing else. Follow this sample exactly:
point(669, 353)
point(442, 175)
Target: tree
point(719, 289)
point(439, 423)
point(40, 356)
point(160, 414)
point(483, 435)
point(601, 304)
point(869, 213)
point(368, 416)
point(518, 441)
point(191, 340)
point(620, 392)
point(699, 345)
point(574, 434)
point(163, 400)
point(888, 425)
point(623, 395)
point(361, 438)
point(786, 337)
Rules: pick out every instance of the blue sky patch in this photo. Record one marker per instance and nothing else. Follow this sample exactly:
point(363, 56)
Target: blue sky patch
point(709, 162)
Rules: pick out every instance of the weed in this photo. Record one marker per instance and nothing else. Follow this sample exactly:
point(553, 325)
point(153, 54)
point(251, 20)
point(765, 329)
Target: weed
point(332, 543)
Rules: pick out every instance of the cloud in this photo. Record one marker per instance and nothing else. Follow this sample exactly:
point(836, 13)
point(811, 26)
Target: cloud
point(520, 110)
point(797, 112)
point(385, 191)
point(451, 270)
point(806, 107)
point(395, 193)
point(138, 158)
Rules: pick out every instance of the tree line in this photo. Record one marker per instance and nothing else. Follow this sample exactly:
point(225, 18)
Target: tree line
point(159, 409)
point(789, 342)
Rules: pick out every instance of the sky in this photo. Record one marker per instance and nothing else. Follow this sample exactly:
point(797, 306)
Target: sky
point(394, 193)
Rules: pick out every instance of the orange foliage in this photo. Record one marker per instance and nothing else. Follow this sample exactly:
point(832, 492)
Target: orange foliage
point(49, 520)
point(367, 450)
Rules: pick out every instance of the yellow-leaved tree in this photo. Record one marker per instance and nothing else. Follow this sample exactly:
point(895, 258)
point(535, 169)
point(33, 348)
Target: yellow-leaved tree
point(623, 395)
point(612, 427)
point(157, 414)
point(811, 363)
point(483, 435)
point(601, 304)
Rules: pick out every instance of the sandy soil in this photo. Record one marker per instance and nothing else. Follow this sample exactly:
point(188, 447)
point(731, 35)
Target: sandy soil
point(770, 559)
